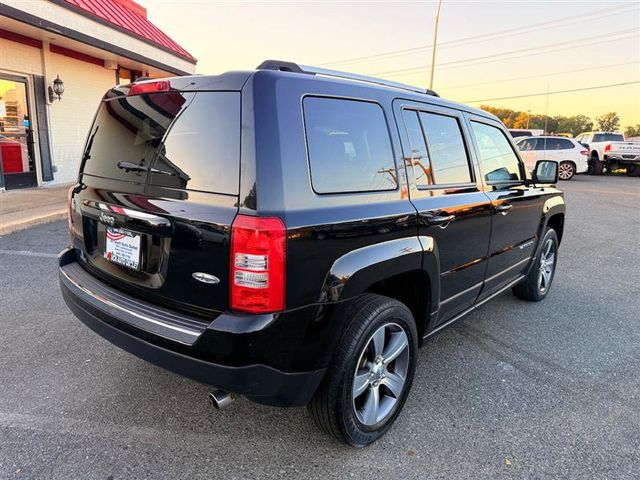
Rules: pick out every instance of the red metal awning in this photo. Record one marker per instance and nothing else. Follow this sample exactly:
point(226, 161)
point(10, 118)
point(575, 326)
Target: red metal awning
point(129, 16)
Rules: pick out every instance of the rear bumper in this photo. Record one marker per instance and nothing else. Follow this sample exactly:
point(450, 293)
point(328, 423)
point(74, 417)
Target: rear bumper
point(623, 158)
point(166, 339)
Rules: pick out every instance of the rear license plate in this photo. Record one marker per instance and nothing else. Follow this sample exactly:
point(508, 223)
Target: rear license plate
point(122, 247)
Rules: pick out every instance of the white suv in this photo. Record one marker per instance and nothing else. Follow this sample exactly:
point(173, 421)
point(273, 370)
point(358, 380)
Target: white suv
point(569, 153)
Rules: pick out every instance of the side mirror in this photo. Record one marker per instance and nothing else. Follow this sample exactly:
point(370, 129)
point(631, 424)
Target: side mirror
point(545, 172)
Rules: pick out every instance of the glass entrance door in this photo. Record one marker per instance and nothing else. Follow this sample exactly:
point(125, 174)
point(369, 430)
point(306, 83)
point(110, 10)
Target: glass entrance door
point(17, 161)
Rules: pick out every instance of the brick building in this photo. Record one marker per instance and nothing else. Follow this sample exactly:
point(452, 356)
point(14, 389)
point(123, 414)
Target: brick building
point(89, 46)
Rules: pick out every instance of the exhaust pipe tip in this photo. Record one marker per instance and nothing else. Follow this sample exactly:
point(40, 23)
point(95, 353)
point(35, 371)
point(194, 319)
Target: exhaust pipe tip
point(220, 399)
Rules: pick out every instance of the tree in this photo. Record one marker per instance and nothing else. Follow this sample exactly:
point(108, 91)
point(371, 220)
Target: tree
point(521, 121)
point(609, 122)
point(632, 130)
point(574, 125)
point(538, 122)
point(506, 115)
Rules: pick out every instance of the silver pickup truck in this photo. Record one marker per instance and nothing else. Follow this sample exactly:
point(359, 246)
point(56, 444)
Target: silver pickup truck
point(610, 150)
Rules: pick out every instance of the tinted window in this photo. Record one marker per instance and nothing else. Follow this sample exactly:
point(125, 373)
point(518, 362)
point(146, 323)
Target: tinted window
point(498, 160)
point(541, 144)
point(449, 163)
point(130, 129)
point(201, 149)
point(419, 158)
point(553, 144)
point(565, 144)
point(526, 145)
point(349, 146)
point(608, 137)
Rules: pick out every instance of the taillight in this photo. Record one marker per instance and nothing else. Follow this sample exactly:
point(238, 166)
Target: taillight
point(258, 260)
point(607, 147)
point(585, 153)
point(149, 87)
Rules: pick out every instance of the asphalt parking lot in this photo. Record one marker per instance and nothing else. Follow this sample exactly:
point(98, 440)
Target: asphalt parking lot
point(515, 390)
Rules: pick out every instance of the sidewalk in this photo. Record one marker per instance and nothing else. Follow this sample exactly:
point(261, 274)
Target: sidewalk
point(20, 209)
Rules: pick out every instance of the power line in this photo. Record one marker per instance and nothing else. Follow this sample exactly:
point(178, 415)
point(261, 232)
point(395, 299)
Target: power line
point(553, 93)
point(607, 12)
point(534, 50)
point(542, 75)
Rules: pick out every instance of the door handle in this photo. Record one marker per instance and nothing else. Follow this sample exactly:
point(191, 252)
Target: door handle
point(439, 220)
point(504, 208)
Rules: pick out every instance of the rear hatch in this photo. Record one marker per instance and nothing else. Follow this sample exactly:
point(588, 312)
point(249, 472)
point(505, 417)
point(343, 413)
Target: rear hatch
point(625, 149)
point(158, 192)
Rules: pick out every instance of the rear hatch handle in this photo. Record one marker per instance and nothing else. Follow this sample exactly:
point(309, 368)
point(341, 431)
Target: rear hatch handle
point(108, 214)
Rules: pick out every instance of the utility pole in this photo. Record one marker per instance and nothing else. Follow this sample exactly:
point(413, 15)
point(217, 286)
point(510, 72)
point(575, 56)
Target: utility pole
point(546, 113)
point(528, 118)
point(435, 41)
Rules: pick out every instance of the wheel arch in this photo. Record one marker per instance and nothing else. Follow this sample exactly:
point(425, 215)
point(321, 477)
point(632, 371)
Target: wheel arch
point(403, 269)
point(554, 215)
point(412, 288)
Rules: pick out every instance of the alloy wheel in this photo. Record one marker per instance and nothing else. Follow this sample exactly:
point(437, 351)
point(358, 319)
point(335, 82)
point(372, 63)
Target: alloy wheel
point(547, 264)
point(565, 171)
point(380, 375)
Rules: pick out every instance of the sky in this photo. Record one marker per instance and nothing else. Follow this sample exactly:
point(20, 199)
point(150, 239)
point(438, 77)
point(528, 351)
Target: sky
point(487, 50)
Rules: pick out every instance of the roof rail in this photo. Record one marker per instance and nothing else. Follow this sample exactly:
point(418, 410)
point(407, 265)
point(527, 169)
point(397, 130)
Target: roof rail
point(295, 68)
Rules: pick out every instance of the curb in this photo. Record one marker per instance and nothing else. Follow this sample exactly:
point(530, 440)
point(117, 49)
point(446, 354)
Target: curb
point(16, 226)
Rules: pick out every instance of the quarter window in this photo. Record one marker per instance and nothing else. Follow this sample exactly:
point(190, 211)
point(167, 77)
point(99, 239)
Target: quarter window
point(498, 160)
point(349, 146)
point(449, 162)
point(565, 144)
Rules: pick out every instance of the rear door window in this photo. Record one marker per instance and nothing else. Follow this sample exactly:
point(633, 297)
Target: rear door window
point(348, 145)
point(498, 161)
point(449, 161)
point(419, 155)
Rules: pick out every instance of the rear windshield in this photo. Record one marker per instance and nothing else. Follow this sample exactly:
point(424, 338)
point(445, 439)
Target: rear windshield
point(608, 137)
point(178, 140)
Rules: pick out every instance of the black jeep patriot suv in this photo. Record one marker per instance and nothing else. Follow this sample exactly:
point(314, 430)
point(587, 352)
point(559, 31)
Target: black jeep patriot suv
point(293, 235)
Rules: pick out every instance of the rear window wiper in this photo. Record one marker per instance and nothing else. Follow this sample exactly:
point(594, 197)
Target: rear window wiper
point(134, 167)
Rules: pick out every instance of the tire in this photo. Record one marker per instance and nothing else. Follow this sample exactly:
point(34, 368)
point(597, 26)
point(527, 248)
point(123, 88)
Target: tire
point(351, 414)
point(566, 170)
point(633, 170)
point(537, 283)
point(596, 167)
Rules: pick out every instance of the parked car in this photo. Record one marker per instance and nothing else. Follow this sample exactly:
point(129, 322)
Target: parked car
point(294, 235)
point(571, 155)
point(610, 150)
point(520, 132)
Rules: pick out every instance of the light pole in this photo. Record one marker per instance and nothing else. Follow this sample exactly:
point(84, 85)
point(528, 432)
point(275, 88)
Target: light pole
point(435, 41)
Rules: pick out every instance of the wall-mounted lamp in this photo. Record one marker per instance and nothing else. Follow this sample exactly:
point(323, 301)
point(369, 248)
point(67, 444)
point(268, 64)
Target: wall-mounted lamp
point(56, 91)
